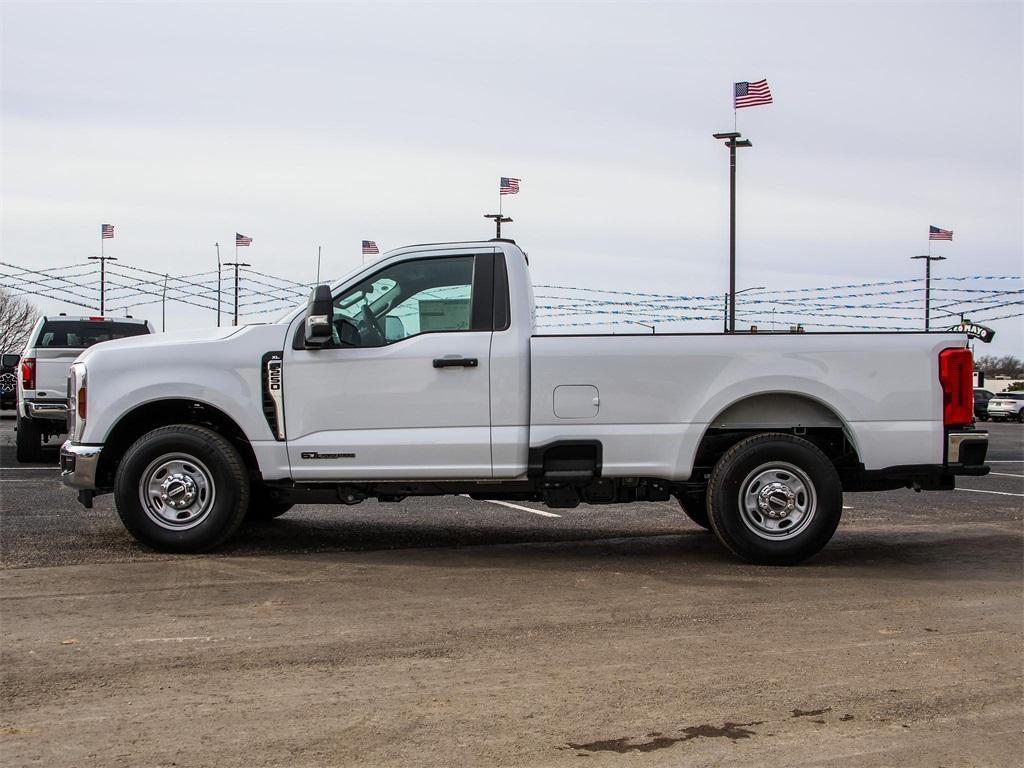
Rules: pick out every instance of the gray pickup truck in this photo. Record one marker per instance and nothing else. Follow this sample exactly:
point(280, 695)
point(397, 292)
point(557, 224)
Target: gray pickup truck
point(53, 345)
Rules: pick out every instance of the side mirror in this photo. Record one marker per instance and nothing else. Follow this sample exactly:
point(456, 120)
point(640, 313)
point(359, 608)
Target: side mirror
point(10, 361)
point(319, 329)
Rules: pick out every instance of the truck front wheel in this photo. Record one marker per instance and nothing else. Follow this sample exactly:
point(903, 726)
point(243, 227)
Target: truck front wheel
point(181, 488)
point(776, 499)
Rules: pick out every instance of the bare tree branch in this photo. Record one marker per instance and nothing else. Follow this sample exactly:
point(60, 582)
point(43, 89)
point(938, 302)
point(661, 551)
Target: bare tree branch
point(17, 316)
point(1007, 365)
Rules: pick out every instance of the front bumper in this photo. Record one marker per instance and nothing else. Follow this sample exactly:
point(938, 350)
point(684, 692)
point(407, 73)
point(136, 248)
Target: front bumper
point(78, 464)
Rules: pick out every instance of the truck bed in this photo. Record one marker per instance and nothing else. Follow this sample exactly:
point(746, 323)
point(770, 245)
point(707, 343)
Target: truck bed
point(656, 395)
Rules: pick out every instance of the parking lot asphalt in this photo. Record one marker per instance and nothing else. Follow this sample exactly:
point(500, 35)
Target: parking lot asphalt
point(455, 632)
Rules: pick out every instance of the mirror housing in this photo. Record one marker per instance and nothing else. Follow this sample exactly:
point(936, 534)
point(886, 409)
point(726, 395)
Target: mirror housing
point(319, 325)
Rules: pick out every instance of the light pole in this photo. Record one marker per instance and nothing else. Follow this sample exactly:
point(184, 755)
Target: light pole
point(163, 307)
point(236, 265)
point(645, 325)
point(928, 259)
point(103, 277)
point(732, 141)
point(217, 246)
point(498, 221)
point(729, 317)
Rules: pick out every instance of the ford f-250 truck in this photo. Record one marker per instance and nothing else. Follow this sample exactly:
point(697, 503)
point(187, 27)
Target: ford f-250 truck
point(422, 374)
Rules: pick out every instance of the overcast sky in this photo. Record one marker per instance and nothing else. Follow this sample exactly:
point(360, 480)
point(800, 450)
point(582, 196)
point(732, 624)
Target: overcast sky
point(322, 124)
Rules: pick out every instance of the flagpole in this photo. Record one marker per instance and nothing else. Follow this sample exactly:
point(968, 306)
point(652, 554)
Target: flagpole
point(318, 248)
point(103, 280)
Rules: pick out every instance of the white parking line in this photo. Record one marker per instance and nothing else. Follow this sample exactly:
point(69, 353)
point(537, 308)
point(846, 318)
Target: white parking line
point(1006, 461)
point(26, 469)
point(540, 512)
point(994, 493)
point(1005, 474)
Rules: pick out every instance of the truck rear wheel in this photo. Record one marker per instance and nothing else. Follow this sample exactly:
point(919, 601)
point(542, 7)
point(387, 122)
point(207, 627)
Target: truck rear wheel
point(29, 441)
point(181, 488)
point(776, 499)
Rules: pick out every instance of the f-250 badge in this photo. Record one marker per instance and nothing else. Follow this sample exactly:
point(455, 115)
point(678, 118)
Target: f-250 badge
point(273, 392)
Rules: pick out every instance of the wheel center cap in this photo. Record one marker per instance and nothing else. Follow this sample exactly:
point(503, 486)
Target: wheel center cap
point(178, 491)
point(776, 500)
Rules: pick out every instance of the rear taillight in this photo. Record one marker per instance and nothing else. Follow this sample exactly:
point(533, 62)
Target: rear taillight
point(956, 375)
point(28, 373)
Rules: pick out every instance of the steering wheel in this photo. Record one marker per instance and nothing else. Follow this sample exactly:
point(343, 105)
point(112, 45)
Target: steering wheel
point(369, 329)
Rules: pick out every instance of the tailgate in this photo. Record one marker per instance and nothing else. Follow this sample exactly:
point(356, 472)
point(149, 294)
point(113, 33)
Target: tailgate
point(52, 366)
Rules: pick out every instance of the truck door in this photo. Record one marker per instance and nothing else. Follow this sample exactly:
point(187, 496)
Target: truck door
point(403, 391)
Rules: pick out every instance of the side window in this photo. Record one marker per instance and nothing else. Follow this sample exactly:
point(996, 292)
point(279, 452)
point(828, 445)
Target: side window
point(406, 299)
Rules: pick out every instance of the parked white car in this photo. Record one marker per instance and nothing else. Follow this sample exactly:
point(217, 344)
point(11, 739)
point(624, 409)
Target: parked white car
point(1006, 405)
point(54, 343)
point(422, 374)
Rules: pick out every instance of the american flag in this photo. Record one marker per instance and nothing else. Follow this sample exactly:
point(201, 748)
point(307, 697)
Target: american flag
point(934, 233)
point(370, 248)
point(751, 94)
point(509, 186)
point(242, 240)
point(107, 231)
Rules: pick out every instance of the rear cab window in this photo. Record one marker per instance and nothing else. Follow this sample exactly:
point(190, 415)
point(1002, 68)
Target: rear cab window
point(82, 334)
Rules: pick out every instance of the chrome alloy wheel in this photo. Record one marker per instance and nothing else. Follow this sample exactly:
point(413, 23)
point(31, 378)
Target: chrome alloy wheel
point(777, 501)
point(177, 491)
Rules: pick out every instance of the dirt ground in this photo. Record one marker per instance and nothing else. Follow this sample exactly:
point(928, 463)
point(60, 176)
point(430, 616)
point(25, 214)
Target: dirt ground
point(460, 633)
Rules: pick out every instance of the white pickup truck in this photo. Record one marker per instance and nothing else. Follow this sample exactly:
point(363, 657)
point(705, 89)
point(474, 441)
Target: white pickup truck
point(42, 395)
point(422, 374)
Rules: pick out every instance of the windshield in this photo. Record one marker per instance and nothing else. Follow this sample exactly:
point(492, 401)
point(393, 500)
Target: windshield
point(80, 334)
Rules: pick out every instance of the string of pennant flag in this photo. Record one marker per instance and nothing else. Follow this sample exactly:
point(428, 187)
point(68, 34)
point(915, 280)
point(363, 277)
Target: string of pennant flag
point(558, 306)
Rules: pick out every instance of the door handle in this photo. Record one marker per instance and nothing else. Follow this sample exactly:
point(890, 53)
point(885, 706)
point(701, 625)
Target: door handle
point(455, 362)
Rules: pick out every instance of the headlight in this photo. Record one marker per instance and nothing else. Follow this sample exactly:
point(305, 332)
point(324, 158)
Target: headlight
point(78, 401)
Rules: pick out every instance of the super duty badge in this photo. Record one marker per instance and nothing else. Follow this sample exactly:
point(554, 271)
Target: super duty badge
point(273, 392)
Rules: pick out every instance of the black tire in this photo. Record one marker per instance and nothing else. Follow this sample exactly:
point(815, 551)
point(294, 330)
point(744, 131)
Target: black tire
point(263, 507)
point(29, 441)
point(695, 505)
point(207, 460)
point(1020, 417)
point(807, 499)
